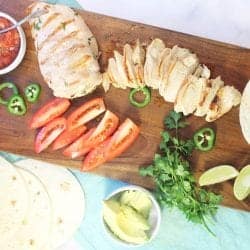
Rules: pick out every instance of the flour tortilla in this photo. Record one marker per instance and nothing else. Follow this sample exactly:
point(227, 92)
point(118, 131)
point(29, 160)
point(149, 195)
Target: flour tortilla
point(245, 112)
point(35, 229)
point(13, 201)
point(66, 195)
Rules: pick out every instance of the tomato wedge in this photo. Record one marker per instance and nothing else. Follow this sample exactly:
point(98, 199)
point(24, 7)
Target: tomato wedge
point(113, 146)
point(86, 113)
point(105, 128)
point(49, 133)
point(67, 137)
point(96, 157)
point(48, 112)
point(73, 149)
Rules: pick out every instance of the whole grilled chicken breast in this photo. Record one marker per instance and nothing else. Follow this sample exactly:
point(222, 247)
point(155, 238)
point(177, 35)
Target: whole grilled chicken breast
point(66, 49)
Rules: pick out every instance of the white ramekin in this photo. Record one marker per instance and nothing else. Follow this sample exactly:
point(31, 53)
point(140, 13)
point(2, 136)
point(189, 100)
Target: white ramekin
point(154, 216)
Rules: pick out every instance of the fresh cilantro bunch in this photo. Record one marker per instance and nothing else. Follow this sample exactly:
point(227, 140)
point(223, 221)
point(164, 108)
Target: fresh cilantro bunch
point(175, 183)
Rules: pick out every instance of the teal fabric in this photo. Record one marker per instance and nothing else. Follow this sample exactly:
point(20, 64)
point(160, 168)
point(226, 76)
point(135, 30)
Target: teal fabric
point(176, 233)
point(231, 226)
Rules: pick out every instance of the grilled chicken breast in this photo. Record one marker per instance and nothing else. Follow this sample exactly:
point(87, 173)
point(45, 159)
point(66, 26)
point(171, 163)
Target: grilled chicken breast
point(67, 50)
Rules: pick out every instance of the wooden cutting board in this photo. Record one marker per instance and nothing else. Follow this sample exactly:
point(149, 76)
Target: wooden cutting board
point(231, 62)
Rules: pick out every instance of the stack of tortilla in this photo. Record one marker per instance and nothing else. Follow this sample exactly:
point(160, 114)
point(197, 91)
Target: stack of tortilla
point(42, 205)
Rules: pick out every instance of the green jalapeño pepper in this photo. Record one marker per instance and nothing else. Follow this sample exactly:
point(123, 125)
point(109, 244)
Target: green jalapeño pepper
point(32, 92)
point(16, 105)
point(204, 139)
point(147, 97)
point(8, 85)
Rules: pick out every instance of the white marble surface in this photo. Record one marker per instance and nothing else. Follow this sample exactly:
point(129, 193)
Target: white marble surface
point(222, 20)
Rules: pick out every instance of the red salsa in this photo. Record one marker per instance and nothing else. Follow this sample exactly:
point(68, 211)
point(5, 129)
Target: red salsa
point(9, 43)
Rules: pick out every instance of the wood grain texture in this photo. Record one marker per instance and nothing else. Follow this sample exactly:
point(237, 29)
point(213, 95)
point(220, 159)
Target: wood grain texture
point(231, 62)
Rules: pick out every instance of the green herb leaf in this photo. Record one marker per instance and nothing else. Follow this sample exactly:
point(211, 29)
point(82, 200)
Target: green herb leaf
point(174, 120)
point(175, 184)
point(37, 25)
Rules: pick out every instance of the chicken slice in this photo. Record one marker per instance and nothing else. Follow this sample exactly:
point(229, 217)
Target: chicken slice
point(129, 66)
point(138, 59)
point(167, 66)
point(114, 74)
point(177, 77)
point(153, 52)
point(164, 62)
point(106, 81)
point(208, 96)
point(190, 95)
point(225, 99)
point(121, 70)
point(205, 73)
point(174, 72)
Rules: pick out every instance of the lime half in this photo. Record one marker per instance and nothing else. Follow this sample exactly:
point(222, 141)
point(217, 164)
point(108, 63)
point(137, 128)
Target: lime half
point(242, 184)
point(218, 174)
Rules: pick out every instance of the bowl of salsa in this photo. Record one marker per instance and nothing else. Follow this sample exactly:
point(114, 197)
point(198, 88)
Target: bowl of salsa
point(12, 44)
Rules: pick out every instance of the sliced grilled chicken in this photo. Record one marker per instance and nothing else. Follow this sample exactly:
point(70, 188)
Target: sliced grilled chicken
point(121, 69)
point(205, 73)
point(129, 66)
point(67, 51)
point(181, 70)
point(138, 59)
point(177, 65)
point(126, 70)
point(208, 96)
point(190, 95)
point(202, 71)
point(225, 99)
point(106, 81)
point(114, 74)
point(154, 50)
point(168, 62)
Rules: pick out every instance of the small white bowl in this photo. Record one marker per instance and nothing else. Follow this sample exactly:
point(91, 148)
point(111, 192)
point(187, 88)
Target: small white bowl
point(22, 48)
point(154, 216)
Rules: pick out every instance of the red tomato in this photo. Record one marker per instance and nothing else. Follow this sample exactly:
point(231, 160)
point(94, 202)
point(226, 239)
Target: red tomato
point(49, 133)
point(73, 149)
point(96, 157)
point(50, 111)
point(9, 43)
point(67, 137)
point(86, 113)
point(105, 128)
point(112, 147)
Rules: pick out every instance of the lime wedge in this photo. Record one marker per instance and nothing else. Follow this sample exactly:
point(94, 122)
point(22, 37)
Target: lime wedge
point(242, 184)
point(218, 174)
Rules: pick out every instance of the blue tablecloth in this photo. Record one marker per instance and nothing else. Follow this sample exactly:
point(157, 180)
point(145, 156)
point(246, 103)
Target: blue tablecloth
point(231, 226)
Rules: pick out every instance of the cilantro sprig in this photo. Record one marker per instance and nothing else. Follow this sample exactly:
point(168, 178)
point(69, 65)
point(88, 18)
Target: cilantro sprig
point(175, 183)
